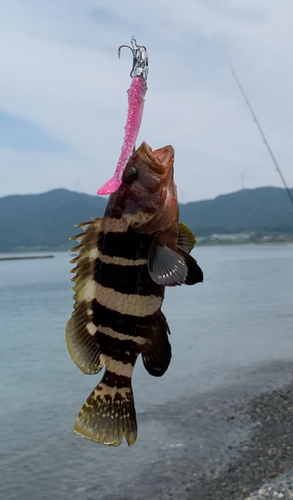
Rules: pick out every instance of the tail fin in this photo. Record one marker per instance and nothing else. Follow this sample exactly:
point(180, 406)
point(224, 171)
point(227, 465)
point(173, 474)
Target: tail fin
point(109, 414)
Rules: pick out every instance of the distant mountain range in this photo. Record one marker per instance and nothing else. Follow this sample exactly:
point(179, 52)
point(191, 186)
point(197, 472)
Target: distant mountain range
point(45, 221)
point(261, 210)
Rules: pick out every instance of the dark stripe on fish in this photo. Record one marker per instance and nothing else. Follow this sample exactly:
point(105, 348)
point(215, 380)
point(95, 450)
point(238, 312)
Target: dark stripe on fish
point(121, 323)
point(125, 351)
point(127, 279)
point(128, 245)
point(115, 380)
point(126, 324)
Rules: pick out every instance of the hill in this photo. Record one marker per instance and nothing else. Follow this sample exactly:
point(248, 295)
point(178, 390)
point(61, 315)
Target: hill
point(47, 220)
point(261, 210)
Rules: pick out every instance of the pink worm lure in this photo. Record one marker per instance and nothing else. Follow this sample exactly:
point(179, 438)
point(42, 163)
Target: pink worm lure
point(136, 94)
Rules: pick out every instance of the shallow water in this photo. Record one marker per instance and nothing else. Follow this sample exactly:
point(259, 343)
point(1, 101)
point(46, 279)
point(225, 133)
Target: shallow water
point(240, 317)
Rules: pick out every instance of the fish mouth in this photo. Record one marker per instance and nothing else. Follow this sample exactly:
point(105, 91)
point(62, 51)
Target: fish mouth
point(160, 161)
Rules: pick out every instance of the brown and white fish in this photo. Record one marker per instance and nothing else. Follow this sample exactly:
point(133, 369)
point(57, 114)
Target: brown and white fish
point(125, 261)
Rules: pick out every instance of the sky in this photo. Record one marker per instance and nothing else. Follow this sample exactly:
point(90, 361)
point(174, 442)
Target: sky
point(63, 91)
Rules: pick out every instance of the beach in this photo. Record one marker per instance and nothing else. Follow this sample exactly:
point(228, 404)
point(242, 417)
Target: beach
point(236, 443)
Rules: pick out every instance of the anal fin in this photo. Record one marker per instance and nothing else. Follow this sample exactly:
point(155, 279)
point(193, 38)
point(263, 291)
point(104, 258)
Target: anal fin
point(156, 352)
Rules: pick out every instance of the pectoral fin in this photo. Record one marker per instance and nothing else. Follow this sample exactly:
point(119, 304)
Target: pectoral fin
point(186, 238)
point(194, 272)
point(166, 267)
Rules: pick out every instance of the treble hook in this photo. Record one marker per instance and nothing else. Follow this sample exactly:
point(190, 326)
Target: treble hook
point(140, 59)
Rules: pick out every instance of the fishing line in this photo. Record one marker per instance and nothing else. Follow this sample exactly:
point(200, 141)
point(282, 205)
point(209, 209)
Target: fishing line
point(261, 133)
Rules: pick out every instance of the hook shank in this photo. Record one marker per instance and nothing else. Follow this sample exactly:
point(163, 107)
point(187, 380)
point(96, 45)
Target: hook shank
point(140, 58)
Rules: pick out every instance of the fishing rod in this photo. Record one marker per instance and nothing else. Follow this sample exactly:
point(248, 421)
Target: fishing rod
point(261, 133)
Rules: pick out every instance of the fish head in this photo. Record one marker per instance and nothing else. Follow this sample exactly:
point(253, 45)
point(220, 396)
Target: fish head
point(147, 196)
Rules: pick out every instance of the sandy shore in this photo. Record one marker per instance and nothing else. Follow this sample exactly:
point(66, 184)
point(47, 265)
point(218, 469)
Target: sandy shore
point(265, 454)
point(235, 444)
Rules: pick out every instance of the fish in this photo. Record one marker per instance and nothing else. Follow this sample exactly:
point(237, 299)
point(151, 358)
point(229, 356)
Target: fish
point(125, 260)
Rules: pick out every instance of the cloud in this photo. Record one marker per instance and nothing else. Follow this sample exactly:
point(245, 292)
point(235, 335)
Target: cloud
point(59, 72)
point(22, 135)
point(36, 171)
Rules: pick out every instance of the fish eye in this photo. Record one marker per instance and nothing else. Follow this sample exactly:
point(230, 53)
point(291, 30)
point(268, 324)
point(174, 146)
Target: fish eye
point(131, 175)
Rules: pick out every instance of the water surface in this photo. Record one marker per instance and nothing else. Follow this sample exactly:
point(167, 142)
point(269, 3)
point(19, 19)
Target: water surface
point(239, 318)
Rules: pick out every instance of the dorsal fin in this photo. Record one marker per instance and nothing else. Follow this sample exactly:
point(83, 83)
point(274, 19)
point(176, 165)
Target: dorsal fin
point(81, 335)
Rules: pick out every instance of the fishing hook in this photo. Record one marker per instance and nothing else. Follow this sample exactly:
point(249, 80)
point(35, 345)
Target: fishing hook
point(140, 63)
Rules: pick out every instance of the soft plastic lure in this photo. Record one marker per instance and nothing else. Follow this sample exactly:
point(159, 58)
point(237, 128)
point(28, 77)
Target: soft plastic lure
point(136, 94)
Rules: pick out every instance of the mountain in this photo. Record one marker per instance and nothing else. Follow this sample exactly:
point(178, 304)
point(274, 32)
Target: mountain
point(46, 221)
point(261, 210)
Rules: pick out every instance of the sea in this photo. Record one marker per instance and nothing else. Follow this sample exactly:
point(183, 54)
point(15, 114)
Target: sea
point(239, 318)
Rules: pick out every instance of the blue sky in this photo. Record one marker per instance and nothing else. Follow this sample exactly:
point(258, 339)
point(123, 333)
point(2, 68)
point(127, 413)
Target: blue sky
point(63, 98)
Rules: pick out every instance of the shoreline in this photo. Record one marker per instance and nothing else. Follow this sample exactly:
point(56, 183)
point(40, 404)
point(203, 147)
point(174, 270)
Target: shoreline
point(220, 243)
point(263, 456)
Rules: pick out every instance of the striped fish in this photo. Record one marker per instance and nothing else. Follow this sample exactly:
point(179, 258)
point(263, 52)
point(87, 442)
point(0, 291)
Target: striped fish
point(124, 262)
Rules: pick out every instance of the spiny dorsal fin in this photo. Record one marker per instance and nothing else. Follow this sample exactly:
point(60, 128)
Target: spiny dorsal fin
point(81, 334)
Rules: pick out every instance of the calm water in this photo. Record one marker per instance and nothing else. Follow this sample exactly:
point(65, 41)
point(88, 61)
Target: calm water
point(240, 317)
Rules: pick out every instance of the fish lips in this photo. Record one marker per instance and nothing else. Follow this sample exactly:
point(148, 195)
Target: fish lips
point(160, 161)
